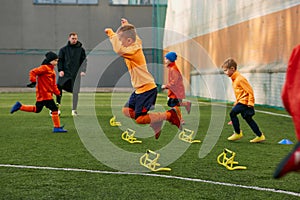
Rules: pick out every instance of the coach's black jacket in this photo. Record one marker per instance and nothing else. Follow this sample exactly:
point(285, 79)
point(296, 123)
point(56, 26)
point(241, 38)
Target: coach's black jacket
point(72, 59)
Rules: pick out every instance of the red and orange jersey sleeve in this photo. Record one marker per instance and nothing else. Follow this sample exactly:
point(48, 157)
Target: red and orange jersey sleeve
point(36, 72)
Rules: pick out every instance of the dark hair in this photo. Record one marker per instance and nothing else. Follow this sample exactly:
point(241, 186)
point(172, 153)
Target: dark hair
point(72, 33)
point(128, 31)
point(229, 62)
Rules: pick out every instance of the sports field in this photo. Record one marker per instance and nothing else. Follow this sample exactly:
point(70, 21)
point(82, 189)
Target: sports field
point(38, 164)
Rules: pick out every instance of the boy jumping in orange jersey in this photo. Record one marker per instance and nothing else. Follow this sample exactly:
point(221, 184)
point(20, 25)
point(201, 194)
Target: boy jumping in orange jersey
point(45, 77)
point(127, 44)
point(175, 86)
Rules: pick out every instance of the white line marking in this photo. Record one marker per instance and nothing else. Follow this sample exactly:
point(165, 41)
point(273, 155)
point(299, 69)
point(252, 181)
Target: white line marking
point(271, 113)
point(155, 175)
point(261, 111)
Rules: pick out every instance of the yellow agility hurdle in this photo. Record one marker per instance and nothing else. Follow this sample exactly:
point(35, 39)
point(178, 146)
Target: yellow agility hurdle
point(149, 160)
point(128, 136)
point(229, 162)
point(113, 122)
point(187, 136)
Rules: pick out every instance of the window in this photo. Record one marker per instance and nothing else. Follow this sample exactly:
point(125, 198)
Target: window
point(138, 2)
point(65, 1)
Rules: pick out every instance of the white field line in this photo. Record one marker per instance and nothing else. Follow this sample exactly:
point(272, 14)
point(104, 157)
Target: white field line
point(154, 175)
point(261, 111)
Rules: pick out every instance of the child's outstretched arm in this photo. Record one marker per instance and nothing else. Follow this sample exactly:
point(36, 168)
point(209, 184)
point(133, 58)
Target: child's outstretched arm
point(116, 44)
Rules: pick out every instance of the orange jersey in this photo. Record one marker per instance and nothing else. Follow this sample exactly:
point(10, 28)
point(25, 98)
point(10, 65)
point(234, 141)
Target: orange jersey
point(45, 77)
point(141, 78)
point(242, 89)
point(175, 82)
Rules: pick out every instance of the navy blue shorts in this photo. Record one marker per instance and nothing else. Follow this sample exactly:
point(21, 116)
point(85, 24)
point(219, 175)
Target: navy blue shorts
point(142, 103)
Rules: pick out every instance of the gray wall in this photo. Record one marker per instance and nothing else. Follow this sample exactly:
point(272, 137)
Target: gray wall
point(29, 30)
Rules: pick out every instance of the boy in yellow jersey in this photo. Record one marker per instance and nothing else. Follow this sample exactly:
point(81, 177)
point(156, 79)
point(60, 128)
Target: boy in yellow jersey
point(244, 103)
point(127, 44)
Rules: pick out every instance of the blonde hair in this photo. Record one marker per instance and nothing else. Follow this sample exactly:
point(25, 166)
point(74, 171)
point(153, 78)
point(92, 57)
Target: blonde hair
point(128, 31)
point(228, 63)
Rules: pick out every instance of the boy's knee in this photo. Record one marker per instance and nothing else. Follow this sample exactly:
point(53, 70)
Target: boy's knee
point(125, 111)
point(248, 118)
point(129, 112)
point(248, 114)
point(141, 120)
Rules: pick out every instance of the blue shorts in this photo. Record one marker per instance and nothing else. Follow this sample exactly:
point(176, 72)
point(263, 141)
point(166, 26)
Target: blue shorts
point(142, 103)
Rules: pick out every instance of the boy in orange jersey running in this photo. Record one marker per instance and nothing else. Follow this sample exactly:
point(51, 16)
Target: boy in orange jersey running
point(291, 101)
point(127, 44)
point(45, 77)
point(175, 86)
point(244, 103)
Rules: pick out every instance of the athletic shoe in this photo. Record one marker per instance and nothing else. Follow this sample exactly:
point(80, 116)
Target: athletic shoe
point(59, 130)
point(258, 139)
point(188, 107)
point(174, 119)
point(16, 107)
point(290, 163)
point(74, 113)
point(235, 136)
point(157, 128)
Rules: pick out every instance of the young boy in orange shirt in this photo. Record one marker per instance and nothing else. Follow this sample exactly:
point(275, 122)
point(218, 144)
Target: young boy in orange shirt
point(291, 101)
point(127, 44)
point(244, 103)
point(176, 91)
point(45, 78)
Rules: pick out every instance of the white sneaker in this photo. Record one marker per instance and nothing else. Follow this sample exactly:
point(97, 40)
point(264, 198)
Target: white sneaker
point(74, 113)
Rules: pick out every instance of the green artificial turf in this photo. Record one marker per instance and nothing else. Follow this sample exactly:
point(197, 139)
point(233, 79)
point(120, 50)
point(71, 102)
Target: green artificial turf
point(26, 139)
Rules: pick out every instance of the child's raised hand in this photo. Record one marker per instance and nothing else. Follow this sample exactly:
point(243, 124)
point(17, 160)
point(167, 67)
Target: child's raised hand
point(124, 21)
point(108, 31)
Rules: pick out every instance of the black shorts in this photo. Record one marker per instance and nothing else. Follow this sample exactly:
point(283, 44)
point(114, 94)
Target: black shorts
point(50, 104)
point(174, 102)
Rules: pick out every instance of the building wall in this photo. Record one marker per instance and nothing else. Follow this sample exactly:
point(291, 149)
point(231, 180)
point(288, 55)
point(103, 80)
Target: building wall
point(28, 31)
point(259, 34)
point(259, 41)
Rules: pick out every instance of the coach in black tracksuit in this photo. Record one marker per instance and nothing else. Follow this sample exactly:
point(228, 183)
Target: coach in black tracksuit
point(71, 66)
